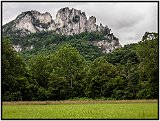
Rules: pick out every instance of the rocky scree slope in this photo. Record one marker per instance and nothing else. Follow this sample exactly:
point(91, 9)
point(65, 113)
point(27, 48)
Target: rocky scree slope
point(67, 22)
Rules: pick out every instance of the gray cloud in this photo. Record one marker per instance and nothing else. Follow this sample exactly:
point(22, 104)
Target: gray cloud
point(128, 20)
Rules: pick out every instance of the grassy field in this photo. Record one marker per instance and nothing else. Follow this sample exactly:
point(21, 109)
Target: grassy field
point(133, 109)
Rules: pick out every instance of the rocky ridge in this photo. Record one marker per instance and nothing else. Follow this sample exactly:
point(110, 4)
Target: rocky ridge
point(67, 22)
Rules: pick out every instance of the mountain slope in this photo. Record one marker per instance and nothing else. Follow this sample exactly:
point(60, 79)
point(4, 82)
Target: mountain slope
point(27, 29)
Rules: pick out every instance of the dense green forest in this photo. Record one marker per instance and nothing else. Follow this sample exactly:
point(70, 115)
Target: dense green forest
point(73, 68)
point(49, 42)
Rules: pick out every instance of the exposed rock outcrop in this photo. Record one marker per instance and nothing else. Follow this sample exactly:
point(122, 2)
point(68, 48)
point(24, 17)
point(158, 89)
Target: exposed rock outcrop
point(33, 21)
point(67, 22)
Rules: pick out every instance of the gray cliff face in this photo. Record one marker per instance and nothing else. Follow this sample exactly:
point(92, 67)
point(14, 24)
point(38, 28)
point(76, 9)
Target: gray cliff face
point(72, 21)
point(67, 22)
point(33, 21)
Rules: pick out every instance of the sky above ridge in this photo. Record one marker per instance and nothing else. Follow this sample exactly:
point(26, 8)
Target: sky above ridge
point(127, 20)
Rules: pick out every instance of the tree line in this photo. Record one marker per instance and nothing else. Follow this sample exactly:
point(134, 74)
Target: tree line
point(130, 72)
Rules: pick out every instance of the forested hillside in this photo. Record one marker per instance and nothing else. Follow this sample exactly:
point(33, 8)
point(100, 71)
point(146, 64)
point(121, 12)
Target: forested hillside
point(72, 67)
point(48, 42)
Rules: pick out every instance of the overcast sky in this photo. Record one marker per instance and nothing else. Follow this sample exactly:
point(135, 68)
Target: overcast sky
point(127, 20)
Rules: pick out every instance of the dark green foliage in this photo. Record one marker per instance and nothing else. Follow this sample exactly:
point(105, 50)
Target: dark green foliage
point(147, 51)
point(40, 70)
point(68, 67)
point(67, 64)
point(58, 87)
point(123, 55)
point(47, 42)
point(89, 51)
point(99, 82)
point(14, 82)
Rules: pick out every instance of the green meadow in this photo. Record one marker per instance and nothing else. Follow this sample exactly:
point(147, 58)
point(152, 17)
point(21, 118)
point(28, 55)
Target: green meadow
point(81, 110)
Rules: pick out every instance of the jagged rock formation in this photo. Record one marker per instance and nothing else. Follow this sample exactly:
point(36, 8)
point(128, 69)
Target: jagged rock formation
point(67, 22)
point(31, 22)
